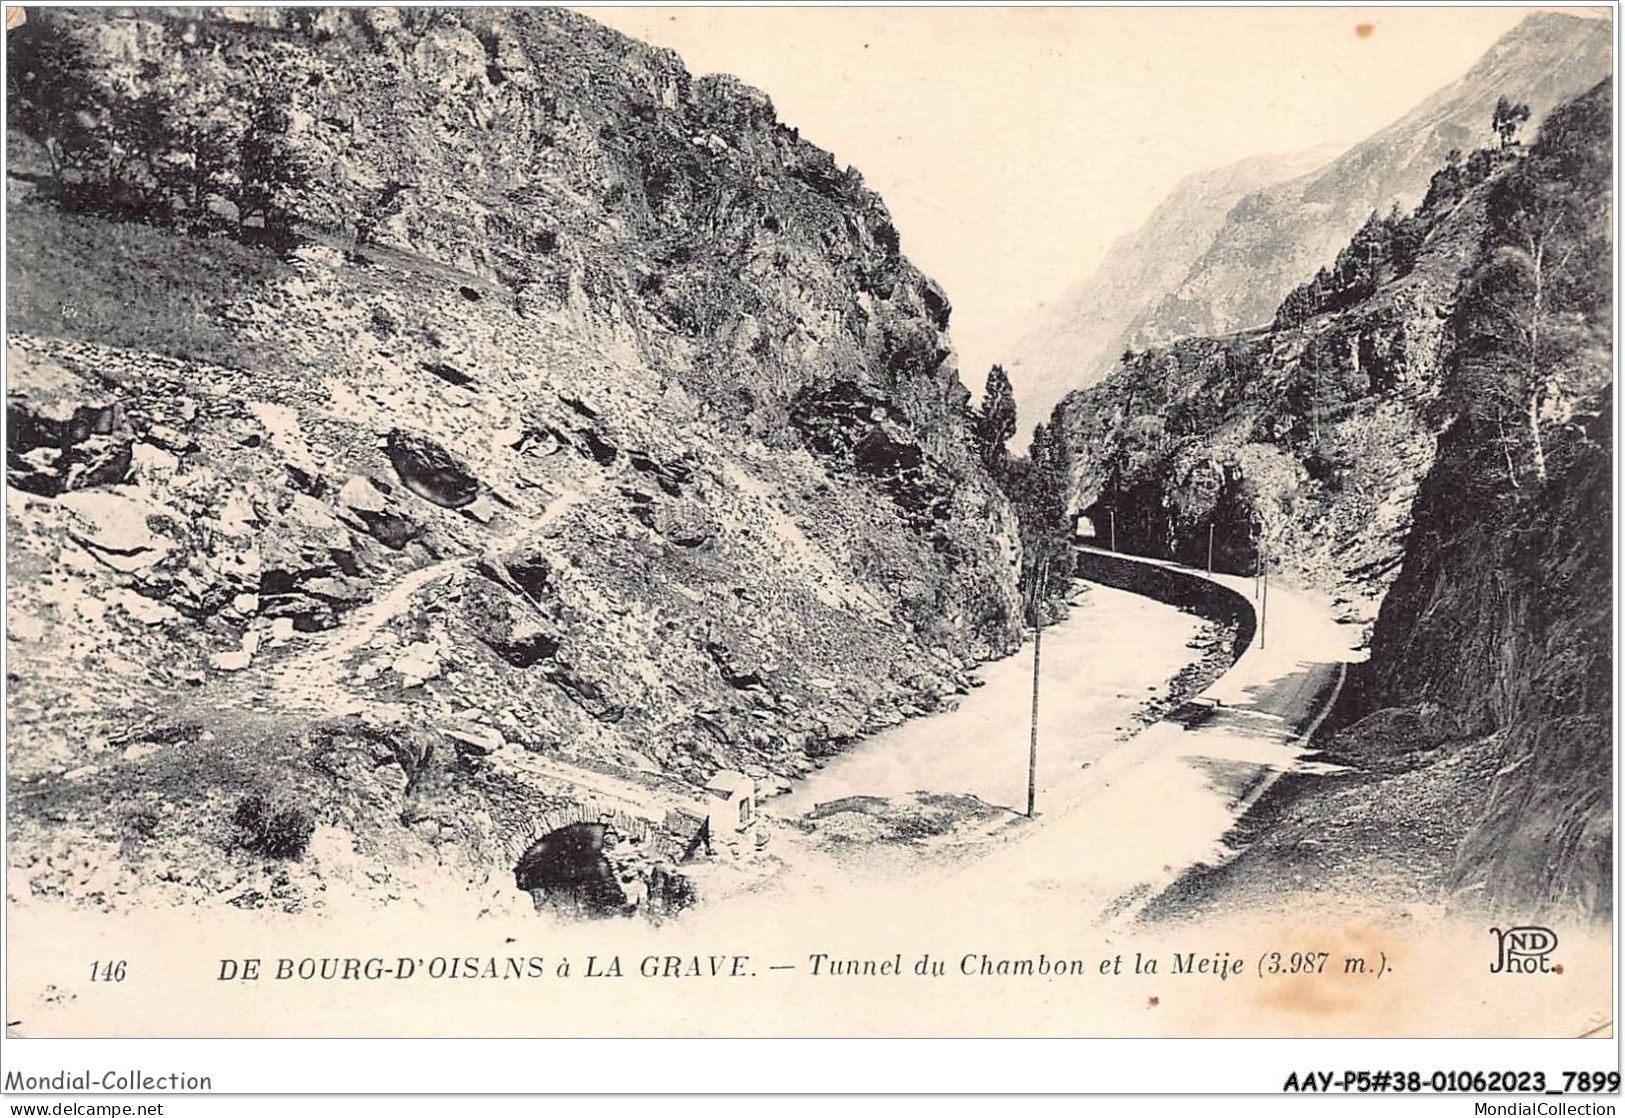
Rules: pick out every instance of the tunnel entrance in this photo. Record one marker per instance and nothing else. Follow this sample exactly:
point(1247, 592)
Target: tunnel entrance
point(591, 870)
point(567, 871)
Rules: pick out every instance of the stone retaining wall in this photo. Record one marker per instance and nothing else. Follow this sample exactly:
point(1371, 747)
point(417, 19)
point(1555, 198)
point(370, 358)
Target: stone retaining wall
point(1178, 588)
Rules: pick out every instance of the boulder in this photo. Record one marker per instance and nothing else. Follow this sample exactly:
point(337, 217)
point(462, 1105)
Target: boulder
point(687, 524)
point(418, 663)
point(64, 431)
point(95, 461)
point(585, 693)
point(239, 658)
point(358, 494)
point(370, 509)
point(471, 737)
point(308, 574)
point(481, 509)
point(427, 469)
point(509, 625)
point(113, 528)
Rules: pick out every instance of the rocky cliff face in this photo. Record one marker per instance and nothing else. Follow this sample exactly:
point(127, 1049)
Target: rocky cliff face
point(1307, 440)
point(595, 437)
point(1080, 336)
point(1438, 442)
point(1497, 635)
point(1274, 238)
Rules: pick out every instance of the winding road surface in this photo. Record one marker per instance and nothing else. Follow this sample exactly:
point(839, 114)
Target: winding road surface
point(1162, 802)
point(1100, 665)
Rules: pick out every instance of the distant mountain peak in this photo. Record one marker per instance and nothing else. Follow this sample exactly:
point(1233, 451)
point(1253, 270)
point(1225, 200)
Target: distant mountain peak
point(1081, 332)
point(1190, 271)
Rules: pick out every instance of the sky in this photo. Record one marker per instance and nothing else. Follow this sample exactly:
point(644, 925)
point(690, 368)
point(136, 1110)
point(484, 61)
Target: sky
point(1013, 145)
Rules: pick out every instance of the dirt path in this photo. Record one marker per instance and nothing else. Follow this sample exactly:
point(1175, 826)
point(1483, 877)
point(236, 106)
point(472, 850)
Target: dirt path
point(320, 670)
point(314, 678)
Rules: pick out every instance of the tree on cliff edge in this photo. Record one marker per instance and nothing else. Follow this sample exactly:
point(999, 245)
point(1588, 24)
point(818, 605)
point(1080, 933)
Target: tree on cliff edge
point(1534, 336)
point(1507, 119)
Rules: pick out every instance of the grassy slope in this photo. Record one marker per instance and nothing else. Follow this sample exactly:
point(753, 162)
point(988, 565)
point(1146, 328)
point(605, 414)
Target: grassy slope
point(130, 285)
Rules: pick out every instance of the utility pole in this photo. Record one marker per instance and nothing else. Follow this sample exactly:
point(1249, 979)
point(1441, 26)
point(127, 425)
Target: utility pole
point(1258, 558)
point(1264, 604)
point(1315, 403)
point(1040, 579)
point(1210, 547)
point(1114, 529)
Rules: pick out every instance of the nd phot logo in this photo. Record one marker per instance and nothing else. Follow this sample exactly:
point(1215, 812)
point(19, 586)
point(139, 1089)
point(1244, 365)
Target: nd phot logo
point(1524, 950)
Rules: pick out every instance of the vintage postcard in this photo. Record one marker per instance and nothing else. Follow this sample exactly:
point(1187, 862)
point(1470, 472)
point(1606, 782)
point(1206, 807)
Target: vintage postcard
point(810, 522)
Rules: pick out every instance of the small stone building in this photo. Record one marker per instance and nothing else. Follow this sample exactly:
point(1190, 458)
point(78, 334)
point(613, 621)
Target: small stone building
point(737, 810)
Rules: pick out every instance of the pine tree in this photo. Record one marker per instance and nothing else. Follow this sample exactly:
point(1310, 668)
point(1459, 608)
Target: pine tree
point(1507, 119)
point(1038, 489)
point(996, 421)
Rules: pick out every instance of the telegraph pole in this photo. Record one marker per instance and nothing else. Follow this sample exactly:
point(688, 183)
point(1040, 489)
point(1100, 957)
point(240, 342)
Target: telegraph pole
point(1264, 604)
point(1315, 403)
point(1040, 578)
point(1114, 529)
point(1210, 547)
point(1258, 558)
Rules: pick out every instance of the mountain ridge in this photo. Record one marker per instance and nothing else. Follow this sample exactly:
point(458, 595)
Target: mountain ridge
point(1275, 236)
point(1047, 359)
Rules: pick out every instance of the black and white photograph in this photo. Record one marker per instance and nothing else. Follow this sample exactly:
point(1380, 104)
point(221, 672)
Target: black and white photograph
point(788, 522)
